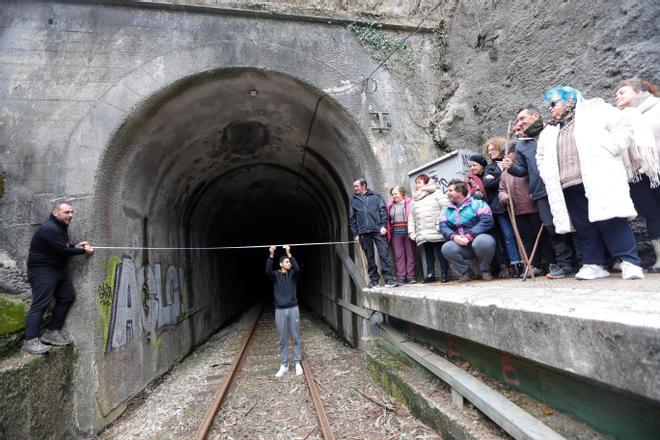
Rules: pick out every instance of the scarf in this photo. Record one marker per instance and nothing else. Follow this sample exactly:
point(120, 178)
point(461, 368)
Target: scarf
point(566, 117)
point(474, 184)
point(642, 155)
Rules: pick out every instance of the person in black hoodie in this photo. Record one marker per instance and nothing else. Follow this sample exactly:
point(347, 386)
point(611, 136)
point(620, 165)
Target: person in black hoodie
point(367, 219)
point(49, 253)
point(287, 315)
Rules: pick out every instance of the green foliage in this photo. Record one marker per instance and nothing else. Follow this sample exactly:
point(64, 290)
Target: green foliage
point(440, 37)
point(12, 314)
point(12, 323)
point(380, 44)
point(104, 297)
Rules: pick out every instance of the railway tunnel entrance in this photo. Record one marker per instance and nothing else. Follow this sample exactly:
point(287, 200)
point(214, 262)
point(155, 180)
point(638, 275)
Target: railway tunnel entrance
point(218, 160)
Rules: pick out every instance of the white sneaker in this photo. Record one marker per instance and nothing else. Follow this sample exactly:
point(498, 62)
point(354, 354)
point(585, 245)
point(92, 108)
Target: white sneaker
point(591, 272)
point(299, 370)
point(282, 371)
point(630, 271)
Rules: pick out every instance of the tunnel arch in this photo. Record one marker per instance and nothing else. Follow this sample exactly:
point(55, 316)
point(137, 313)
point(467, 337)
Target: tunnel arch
point(216, 159)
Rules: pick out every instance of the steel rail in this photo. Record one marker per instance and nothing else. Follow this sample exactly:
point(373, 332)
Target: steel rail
point(211, 413)
point(205, 426)
point(326, 432)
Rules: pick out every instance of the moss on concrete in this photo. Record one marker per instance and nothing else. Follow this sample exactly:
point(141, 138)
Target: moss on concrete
point(12, 323)
point(12, 314)
point(37, 385)
point(385, 368)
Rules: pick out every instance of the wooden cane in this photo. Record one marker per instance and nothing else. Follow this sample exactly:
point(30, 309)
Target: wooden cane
point(536, 244)
point(363, 263)
point(512, 217)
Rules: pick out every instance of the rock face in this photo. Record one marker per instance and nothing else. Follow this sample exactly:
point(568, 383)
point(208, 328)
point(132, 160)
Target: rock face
point(504, 54)
point(173, 125)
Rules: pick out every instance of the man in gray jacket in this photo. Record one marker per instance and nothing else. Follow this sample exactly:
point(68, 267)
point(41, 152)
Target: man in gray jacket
point(367, 218)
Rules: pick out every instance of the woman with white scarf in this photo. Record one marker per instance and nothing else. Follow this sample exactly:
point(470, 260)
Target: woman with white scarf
point(642, 162)
point(579, 159)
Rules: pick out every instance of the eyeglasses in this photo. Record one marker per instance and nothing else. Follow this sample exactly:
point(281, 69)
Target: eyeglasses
point(554, 103)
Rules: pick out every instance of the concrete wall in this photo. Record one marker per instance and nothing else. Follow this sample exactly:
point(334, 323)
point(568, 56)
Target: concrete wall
point(41, 408)
point(141, 115)
point(142, 119)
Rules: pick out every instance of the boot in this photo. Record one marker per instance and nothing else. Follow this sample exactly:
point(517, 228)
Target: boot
point(518, 270)
point(504, 272)
point(656, 247)
point(444, 270)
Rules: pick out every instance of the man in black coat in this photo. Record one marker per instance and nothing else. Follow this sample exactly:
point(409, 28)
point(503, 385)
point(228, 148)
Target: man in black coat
point(367, 218)
point(49, 253)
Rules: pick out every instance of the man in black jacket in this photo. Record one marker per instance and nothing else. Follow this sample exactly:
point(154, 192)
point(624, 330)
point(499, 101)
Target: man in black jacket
point(287, 315)
point(367, 218)
point(528, 127)
point(49, 252)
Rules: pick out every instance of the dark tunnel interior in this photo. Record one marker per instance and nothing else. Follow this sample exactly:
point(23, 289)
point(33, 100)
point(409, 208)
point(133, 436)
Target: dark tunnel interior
point(218, 160)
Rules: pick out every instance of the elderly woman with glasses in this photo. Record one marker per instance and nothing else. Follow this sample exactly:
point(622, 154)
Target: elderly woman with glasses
point(579, 159)
point(636, 98)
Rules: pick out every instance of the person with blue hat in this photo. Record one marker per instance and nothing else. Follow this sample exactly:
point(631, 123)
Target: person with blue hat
point(579, 159)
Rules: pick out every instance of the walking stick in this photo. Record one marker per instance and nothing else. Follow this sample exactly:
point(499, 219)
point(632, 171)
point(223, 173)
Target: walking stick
point(536, 243)
point(521, 246)
point(363, 263)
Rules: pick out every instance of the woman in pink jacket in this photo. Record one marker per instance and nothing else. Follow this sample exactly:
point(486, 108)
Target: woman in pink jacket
point(403, 248)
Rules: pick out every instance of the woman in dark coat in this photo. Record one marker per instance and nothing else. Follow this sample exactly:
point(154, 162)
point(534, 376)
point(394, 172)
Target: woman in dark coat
point(494, 148)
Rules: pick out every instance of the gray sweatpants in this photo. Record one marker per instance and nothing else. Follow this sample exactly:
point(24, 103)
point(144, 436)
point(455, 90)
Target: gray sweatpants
point(288, 321)
point(482, 248)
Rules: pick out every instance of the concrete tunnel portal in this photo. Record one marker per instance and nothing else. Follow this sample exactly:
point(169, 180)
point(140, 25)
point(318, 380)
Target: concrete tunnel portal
point(218, 160)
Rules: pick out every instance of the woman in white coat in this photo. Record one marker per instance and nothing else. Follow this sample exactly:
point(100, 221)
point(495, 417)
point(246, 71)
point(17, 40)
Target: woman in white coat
point(428, 201)
point(579, 159)
point(642, 162)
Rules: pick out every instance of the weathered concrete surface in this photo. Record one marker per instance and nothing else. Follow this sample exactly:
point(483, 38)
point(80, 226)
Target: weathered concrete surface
point(31, 409)
point(145, 118)
point(606, 331)
point(182, 129)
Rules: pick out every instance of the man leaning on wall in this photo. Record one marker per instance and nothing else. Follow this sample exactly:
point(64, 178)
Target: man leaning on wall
point(49, 253)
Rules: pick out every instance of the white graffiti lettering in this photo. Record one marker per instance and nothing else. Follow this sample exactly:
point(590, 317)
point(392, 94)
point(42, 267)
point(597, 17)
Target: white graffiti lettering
point(141, 306)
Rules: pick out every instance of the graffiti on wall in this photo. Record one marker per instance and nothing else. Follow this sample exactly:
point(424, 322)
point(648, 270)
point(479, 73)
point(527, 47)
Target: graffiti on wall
point(138, 303)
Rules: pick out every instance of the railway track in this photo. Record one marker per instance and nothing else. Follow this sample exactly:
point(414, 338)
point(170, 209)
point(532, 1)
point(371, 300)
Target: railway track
point(260, 336)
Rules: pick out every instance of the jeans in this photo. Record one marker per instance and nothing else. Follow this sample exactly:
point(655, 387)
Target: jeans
point(288, 321)
point(48, 283)
point(482, 248)
point(503, 222)
point(367, 242)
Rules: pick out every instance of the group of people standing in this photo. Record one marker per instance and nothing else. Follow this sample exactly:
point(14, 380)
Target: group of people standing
point(584, 174)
